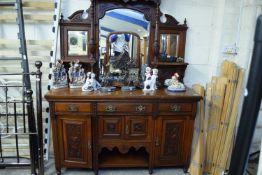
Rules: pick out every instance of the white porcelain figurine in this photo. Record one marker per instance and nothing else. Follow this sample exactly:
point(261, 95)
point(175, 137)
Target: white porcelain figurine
point(175, 85)
point(91, 83)
point(150, 80)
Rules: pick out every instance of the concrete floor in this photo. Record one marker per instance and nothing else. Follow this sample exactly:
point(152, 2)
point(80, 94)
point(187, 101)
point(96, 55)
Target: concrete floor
point(50, 170)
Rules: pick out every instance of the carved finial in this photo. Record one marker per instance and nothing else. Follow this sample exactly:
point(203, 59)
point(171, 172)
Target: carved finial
point(185, 22)
point(38, 64)
point(62, 16)
point(29, 93)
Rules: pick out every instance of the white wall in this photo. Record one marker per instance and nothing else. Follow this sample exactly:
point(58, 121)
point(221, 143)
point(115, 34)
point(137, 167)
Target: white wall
point(213, 25)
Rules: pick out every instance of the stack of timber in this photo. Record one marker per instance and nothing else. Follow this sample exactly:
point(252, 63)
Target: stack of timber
point(198, 150)
point(223, 115)
point(211, 151)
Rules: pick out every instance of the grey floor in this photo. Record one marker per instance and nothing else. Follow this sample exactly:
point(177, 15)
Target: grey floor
point(50, 170)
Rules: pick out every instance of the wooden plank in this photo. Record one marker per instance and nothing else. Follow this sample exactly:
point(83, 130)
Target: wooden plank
point(35, 5)
point(15, 53)
point(12, 42)
point(217, 98)
point(232, 75)
point(27, 17)
point(222, 162)
point(47, 5)
point(198, 150)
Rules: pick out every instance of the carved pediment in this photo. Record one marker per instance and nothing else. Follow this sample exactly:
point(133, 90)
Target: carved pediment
point(127, 1)
point(77, 17)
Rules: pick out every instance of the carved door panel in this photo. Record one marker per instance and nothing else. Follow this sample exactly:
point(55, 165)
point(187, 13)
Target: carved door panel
point(110, 127)
point(169, 141)
point(138, 127)
point(75, 140)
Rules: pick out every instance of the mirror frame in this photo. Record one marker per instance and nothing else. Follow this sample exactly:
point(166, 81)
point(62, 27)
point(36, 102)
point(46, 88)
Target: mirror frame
point(150, 8)
point(75, 22)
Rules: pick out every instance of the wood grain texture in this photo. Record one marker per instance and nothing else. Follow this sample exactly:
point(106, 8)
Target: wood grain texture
point(140, 129)
point(161, 95)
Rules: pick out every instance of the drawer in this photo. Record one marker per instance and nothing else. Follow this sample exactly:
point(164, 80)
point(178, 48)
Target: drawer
point(124, 107)
point(174, 107)
point(72, 107)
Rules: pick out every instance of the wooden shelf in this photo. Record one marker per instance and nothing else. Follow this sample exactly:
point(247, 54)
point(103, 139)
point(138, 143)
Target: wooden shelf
point(170, 64)
point(133, 158)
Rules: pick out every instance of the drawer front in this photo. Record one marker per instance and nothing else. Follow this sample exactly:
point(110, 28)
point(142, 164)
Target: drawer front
point(110, 127)
point(72, 107)
point(175, 107)
point(124, 107)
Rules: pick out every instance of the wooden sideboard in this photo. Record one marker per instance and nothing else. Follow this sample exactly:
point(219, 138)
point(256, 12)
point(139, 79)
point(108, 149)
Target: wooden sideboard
point(122, 129)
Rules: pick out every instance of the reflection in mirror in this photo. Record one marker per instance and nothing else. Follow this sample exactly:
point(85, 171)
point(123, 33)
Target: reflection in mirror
point(124, 49)
point(123, 44)
point(169, 45)
point(77, 43)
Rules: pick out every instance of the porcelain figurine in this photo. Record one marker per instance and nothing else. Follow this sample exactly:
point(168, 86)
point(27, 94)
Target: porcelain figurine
point(91, 84)
point(76, 75)
point(154, 80)
point(150, 80)
point(59, 76)
point(175, 85)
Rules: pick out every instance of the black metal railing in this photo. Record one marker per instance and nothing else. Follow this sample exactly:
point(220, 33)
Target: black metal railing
point(19, 131)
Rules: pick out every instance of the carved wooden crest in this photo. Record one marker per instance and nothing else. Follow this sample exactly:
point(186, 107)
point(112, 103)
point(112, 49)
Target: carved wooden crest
point(78, 17)
point(127, 1)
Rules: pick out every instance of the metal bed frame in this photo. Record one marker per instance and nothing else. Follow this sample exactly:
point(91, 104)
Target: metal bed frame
point(34, 132)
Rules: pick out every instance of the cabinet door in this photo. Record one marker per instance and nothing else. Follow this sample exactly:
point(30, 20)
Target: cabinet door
point(138, 127)
point(169, 141)
point(110, 127)
point(75, 140)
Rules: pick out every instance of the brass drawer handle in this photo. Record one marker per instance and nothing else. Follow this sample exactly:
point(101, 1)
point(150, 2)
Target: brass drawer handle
point(157, 141)
point(72, 108)
point(89, 146)
point(175, 108)
point(127, 130)
point(140, 108)
point(110, 108)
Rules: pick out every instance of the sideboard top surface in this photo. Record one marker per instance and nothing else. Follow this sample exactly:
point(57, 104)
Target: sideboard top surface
point(160, 94)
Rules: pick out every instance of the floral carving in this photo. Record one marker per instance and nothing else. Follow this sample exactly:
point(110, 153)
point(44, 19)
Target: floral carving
point(74, 133)
point(171, 139)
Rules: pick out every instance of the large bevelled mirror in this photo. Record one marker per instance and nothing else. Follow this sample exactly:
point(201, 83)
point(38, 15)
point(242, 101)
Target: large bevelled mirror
point(123, 43)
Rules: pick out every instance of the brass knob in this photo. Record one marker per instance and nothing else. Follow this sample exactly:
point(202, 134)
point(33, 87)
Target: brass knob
point(157, 141)
point(110, 108)
point(175, 108)
point(89, 146)
point(72, 108)
point(127, 129)
point(140, 108)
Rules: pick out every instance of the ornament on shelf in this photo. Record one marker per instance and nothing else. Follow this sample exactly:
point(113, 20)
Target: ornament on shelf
point(76, 75)
point(59, 76)
point(180, 60)
point(150, 79)
point(91, 84)
point(174, 85)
